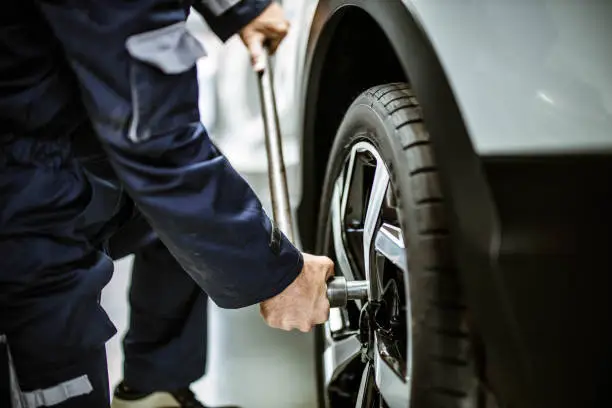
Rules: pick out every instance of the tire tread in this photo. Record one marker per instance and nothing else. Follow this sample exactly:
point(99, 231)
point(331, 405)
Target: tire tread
point(449, 379)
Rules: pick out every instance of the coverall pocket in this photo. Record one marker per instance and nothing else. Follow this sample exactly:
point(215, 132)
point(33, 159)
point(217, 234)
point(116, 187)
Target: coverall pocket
point(163, 80)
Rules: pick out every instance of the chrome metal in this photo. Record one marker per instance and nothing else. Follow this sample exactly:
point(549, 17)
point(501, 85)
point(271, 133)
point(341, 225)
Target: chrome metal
point(389, 242)
point(335, 321)
point(348, 177)
point(338, 232)
point(336, 292)
point(394, 389)
point(340, 291)
point(281, 209)
point(365, 397)
point(357, 290)
point(338, 355)
point(377, 195)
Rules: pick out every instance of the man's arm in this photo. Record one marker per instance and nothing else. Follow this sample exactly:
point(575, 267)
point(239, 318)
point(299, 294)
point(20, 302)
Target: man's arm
point(135, 63)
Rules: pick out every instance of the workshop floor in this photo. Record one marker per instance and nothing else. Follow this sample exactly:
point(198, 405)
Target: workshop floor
point(249, 364)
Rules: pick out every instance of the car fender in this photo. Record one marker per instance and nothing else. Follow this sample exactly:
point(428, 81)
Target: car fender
point(529, 77)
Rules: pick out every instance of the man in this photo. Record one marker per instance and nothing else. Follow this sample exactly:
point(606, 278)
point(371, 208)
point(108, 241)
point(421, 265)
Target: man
point(100, 131)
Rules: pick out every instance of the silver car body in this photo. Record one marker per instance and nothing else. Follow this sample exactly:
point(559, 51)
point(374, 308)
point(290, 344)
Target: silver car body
point(528, 76)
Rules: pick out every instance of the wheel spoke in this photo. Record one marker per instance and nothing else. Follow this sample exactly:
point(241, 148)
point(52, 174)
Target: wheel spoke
point(348, 178)
point(390, 243)
point(367, 391)
point(377, 195)
point(336, 322)
point(338, 355)
point(338, 231)
point(394, 389)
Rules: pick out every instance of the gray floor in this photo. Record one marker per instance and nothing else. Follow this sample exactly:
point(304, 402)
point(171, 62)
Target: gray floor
point(249, 364)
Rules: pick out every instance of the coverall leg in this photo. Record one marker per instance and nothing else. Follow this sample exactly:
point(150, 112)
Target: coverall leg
point(56, 214)
point(166, 342)
point(165, 346)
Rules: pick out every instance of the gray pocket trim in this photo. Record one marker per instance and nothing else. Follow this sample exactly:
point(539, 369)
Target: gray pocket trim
point(172, 49)
point(218, 7)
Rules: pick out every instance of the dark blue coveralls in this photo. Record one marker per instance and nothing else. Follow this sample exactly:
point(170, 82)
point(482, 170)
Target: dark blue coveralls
point(100, 138)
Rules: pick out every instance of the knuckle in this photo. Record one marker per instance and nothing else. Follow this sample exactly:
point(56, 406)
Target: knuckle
point(286, 325)
point(275, 322)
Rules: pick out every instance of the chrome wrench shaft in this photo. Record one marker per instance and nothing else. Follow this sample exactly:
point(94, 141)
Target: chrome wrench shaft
point(339, 290)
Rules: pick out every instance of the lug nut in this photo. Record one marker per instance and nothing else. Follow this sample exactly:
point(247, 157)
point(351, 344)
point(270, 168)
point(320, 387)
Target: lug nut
point(340, 291)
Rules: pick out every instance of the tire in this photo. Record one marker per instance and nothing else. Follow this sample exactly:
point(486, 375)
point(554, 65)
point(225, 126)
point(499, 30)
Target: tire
point(389, 118)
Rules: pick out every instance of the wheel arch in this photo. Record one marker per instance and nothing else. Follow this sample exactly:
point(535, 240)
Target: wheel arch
point(392, 47)
point(413, 60)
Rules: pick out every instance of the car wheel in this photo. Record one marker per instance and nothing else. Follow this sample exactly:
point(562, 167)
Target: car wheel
point(382, 218)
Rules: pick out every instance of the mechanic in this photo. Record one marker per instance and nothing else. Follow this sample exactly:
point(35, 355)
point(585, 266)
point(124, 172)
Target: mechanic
point(100, 133)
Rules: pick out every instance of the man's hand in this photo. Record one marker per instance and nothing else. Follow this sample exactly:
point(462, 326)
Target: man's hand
point(269, 27)
point(303, 304)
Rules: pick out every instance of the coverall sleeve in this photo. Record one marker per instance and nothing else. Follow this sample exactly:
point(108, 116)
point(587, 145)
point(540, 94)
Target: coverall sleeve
point(135, 65)
point(227, 17)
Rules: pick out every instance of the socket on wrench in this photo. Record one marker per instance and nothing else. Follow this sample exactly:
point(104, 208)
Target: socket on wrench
point(340, 291)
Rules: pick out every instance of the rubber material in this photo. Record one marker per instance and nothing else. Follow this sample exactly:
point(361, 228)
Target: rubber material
point(389, 117)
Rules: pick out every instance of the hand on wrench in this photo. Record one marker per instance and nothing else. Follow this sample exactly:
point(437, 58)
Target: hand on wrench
point(269, 28)
point(304, 303)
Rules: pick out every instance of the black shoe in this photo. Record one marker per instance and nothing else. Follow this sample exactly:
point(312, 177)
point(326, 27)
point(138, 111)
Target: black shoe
point(125, 397)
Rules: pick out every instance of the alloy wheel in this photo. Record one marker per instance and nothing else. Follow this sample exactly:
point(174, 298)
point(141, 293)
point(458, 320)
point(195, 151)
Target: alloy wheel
point(367, 345)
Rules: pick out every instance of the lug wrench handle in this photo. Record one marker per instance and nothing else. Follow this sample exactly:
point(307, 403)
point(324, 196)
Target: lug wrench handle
point(279, 193)
point(339, 290)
